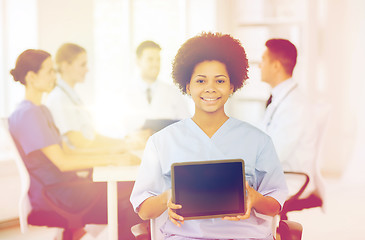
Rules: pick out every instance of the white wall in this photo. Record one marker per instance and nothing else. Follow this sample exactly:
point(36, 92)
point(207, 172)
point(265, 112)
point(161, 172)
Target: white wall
point(16, 36)
point(341, 41)
point(354, 79)
point(69, 21)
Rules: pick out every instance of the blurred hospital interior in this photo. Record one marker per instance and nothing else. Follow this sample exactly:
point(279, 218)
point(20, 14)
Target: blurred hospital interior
point(329, 36)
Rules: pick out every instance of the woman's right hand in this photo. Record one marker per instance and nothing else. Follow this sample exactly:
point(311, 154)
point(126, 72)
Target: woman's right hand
point(171, 207)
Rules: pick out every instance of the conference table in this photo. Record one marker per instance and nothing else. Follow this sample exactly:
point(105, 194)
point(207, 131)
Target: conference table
point(112, 175)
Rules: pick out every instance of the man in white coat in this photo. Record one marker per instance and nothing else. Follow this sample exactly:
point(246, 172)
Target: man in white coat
point(289, 118)
point(152, 98)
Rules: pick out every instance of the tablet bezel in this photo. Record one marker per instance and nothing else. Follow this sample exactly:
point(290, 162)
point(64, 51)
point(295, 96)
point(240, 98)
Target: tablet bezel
point(210, 162)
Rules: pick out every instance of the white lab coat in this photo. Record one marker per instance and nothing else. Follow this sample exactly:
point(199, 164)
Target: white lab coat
point(68, 111)
point(166, 103)
point(291, 122)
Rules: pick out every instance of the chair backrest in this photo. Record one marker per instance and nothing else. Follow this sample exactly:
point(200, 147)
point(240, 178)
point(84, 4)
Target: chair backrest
point(156, 224)
point(24, 206)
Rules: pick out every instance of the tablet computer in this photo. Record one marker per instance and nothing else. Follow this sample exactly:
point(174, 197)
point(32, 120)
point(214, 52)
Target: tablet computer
point(209, 189)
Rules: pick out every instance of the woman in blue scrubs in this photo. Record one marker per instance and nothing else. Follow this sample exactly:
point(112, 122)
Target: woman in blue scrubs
point(210, 68)
point(48, 160)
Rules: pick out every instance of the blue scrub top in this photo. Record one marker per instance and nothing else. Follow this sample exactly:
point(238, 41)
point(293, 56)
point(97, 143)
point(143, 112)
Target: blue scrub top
point(32, 128)
point(185, 141)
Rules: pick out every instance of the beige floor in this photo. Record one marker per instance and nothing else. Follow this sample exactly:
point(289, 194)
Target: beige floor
point(342, 219)
point(39, 233)
point(343, 216)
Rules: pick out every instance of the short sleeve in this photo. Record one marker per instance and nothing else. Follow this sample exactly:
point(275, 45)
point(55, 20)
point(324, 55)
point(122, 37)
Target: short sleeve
point(69, 116)
point(270, 176)
point(59, 113)
point(149, 181)
point(35, 129)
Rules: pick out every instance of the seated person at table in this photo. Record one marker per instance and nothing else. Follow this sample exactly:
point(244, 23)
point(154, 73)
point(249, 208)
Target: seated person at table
point(70, 114)
point(47, 159)
point(211, 67)
point(152, 98)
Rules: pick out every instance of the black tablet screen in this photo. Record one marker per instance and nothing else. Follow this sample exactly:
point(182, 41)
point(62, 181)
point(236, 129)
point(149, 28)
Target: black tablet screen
point(209, 189)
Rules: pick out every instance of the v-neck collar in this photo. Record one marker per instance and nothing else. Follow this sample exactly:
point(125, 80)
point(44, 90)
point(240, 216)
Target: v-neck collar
point(69, 91)
point(216, 134)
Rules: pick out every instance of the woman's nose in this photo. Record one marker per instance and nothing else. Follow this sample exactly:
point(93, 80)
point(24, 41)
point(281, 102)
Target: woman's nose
point(210, 87)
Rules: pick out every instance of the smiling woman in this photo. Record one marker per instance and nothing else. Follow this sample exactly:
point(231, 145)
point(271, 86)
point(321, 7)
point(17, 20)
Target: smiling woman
point(210, 67)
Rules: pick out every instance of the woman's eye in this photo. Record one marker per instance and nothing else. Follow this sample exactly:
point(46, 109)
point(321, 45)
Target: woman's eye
point(220, 81)
point(199, 81)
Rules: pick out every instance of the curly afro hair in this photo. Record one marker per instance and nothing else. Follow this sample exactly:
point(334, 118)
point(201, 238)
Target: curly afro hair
point(208, 47)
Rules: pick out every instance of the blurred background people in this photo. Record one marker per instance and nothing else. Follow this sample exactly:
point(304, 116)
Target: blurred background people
point(291, 118)
point(148, 98)
point(70, 114)
point(50, 162)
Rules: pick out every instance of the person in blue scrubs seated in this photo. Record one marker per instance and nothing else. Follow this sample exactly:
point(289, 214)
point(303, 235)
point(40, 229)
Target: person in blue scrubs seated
point(210, 68)
point(48, 159)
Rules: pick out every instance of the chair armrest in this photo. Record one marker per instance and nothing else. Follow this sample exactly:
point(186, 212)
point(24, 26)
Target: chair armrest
point(290, 230)
point(141, 231)
point(301, 190)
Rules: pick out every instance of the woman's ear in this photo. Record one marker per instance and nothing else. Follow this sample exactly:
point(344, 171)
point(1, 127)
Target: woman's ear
point(30, 78)
point(188, 89)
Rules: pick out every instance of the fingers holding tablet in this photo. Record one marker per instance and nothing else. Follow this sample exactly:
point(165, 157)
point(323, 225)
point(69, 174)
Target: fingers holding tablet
point(248, 206)
point(173, 216)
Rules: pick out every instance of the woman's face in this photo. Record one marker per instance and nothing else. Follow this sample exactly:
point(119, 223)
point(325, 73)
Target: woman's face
point(210, 86)
point(77, 69)
point(45, 79)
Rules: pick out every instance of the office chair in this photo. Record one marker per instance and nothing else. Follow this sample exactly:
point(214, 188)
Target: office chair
point(315, 198)
point(71, 222)
point(288, 230)
point(24, 206)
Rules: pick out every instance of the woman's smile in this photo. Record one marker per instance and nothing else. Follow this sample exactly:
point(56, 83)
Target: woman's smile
point(210, 99)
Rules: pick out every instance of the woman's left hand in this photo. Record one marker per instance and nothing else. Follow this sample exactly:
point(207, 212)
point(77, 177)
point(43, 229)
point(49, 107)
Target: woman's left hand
point(250, 195)
point(171, 211)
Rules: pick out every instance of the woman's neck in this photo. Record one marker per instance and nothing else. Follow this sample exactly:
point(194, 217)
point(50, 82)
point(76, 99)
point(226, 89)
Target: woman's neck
point(33, 96)
point(210, 122)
